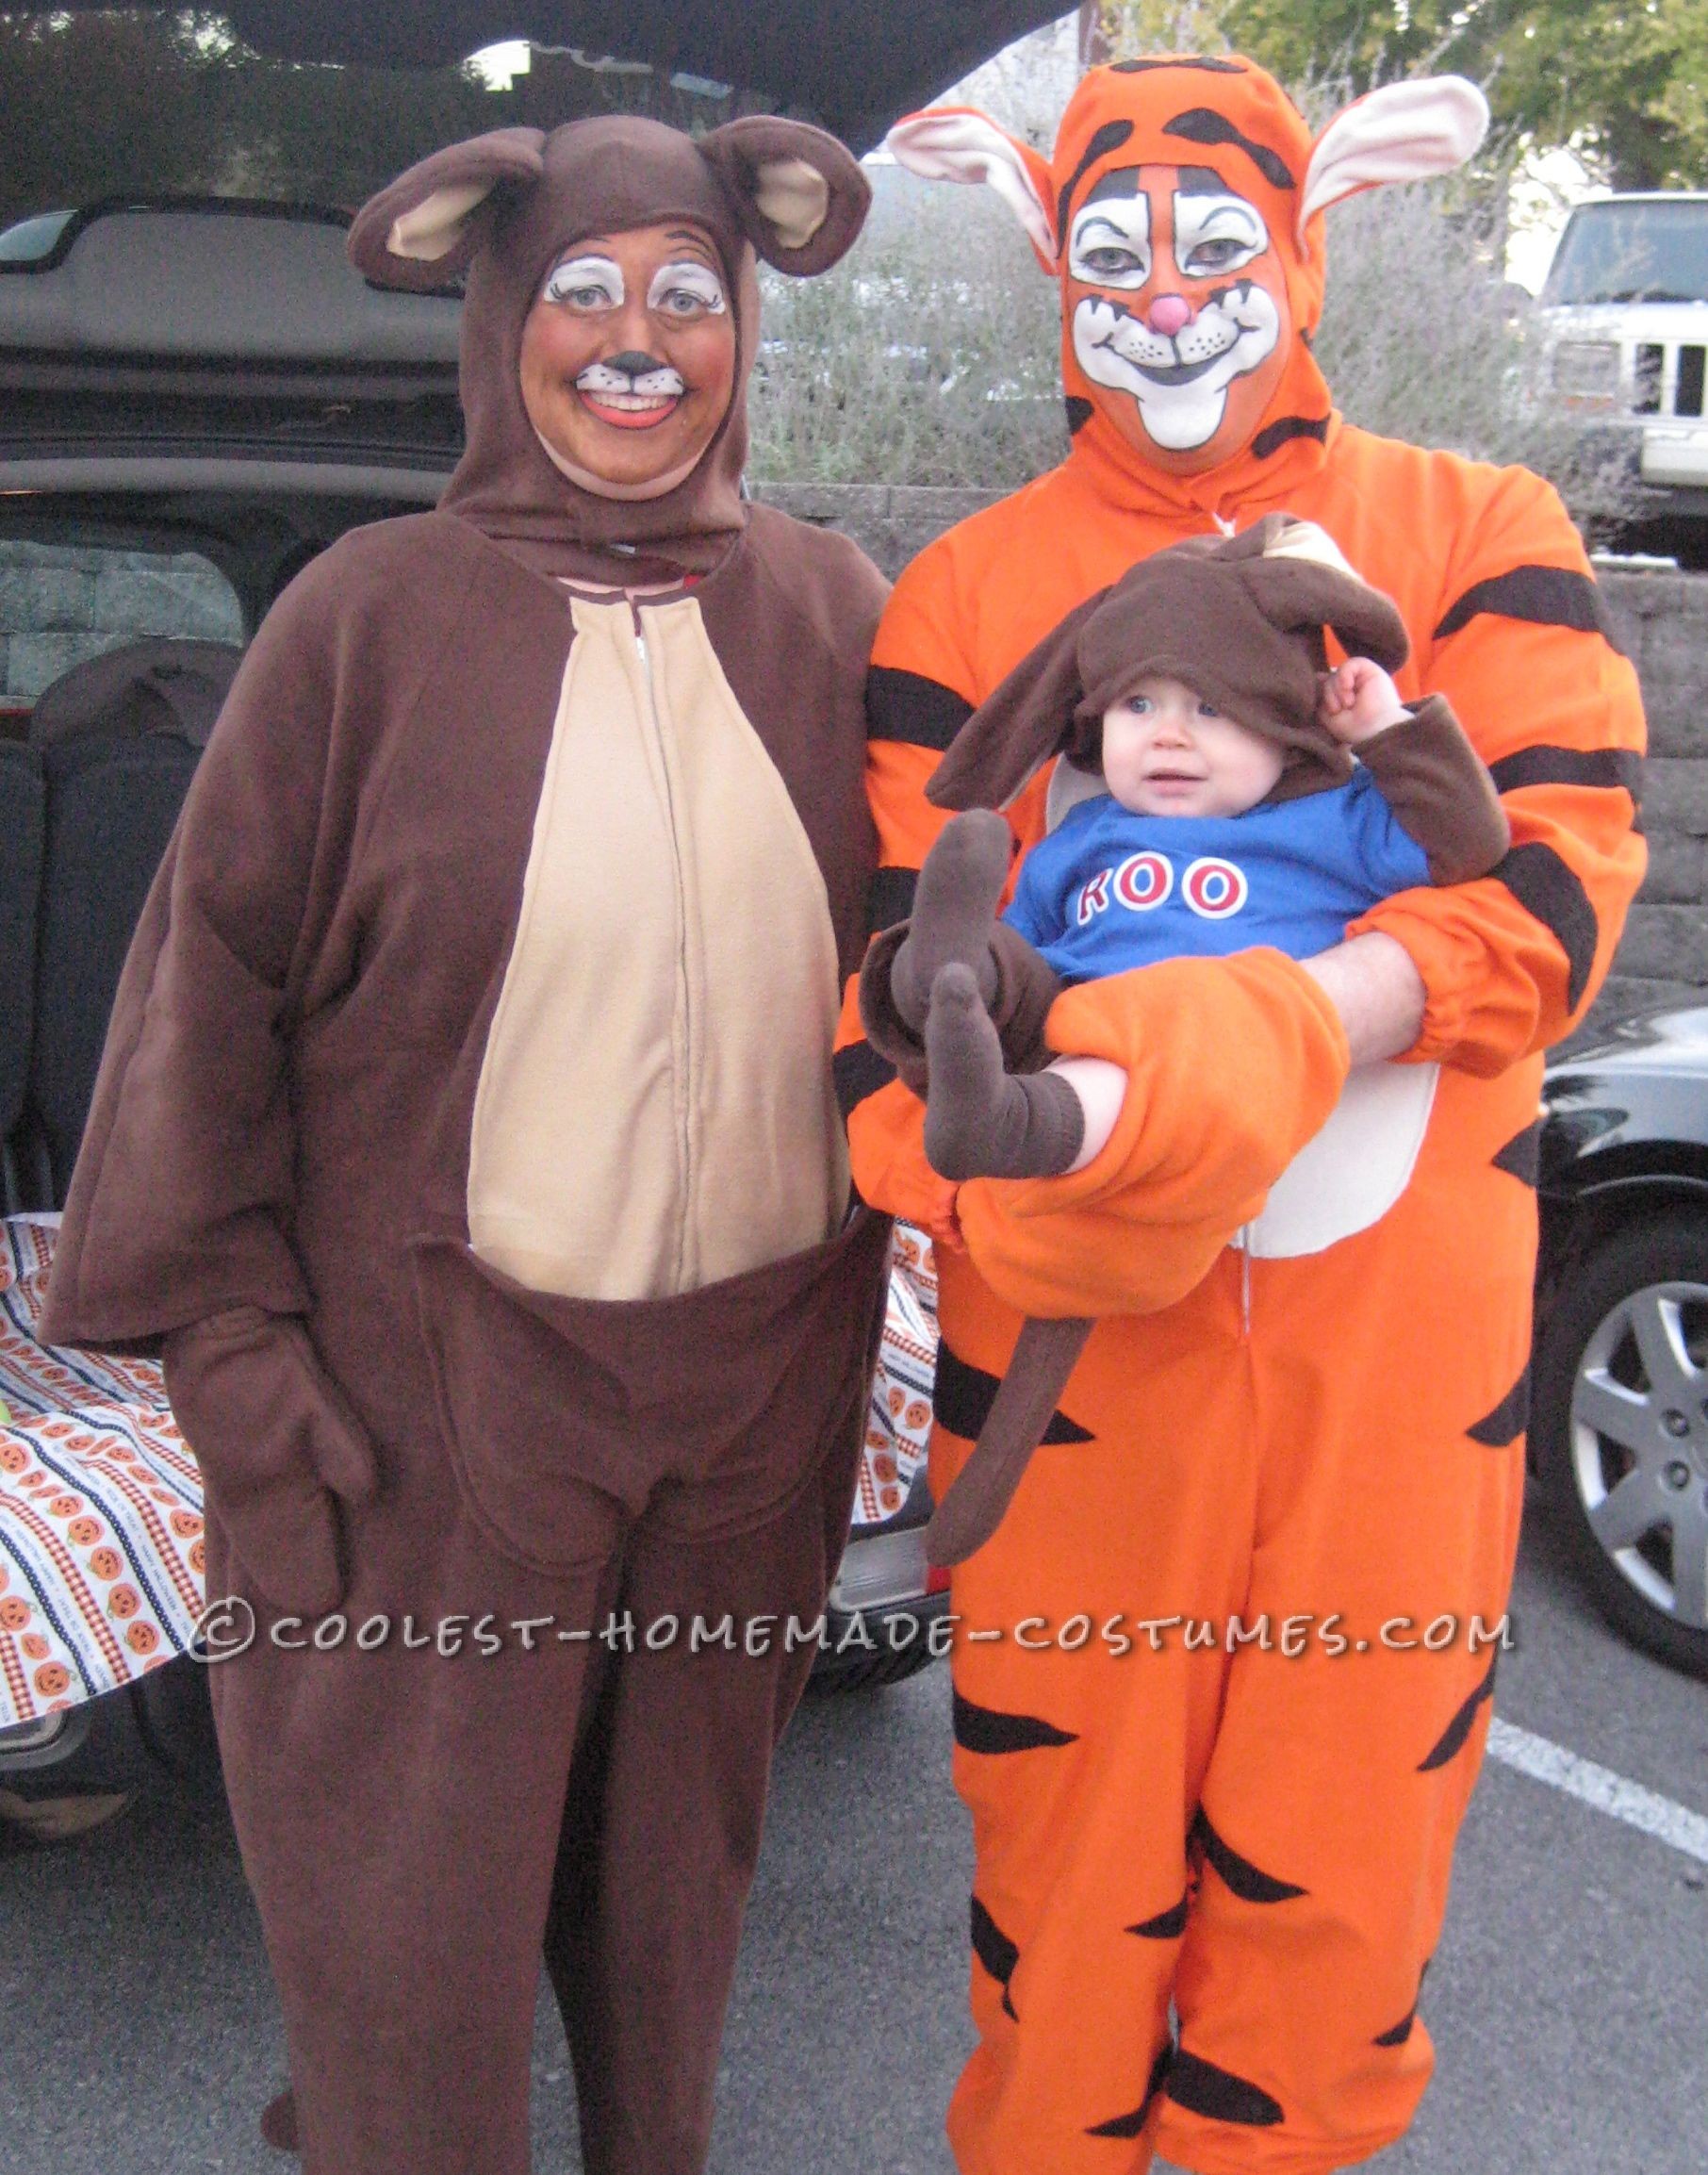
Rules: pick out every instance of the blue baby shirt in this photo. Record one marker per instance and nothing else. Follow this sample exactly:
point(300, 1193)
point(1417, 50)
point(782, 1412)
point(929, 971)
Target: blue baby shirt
point(1110, 890)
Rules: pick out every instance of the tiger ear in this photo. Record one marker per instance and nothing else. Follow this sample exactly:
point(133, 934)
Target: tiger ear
point(799, 194)
point(423, 231)
point(1402, 132)
point(959, 143)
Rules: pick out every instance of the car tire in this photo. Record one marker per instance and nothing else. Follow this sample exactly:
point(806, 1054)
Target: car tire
point(1621, 1408)
point(869, 1672)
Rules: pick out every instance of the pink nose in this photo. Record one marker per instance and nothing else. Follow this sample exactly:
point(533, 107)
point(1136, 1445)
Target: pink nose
point(1169, 312)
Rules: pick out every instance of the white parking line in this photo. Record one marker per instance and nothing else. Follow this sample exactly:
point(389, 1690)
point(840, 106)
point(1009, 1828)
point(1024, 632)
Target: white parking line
point(1600, 1786)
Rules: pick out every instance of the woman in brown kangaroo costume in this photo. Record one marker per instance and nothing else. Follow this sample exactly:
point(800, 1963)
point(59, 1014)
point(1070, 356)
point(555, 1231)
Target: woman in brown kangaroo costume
point(467, 1131)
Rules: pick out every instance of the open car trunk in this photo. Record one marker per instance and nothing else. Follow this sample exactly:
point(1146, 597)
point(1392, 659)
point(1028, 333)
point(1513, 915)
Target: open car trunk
point(853, 68)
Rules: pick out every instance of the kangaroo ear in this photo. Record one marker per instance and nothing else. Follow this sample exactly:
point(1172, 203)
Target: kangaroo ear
point(1301, 580)
point(1403, 132)
point(799, 194)
point(958, 144)
point(422, 230)
point(1018, 726)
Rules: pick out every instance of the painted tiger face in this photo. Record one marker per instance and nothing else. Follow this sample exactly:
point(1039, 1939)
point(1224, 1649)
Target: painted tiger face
point(1175, 299)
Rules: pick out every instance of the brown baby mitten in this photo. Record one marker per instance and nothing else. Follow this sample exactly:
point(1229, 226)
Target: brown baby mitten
point(982, 1122)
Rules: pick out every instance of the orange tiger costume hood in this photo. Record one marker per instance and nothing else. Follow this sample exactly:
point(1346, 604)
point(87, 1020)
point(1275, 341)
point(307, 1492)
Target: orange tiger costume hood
point(1138, 207)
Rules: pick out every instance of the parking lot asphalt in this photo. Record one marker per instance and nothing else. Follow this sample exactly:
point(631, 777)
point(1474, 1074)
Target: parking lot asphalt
point(141, 2036)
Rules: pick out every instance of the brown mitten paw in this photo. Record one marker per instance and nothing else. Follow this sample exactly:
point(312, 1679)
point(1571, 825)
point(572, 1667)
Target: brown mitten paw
point(277, 1443)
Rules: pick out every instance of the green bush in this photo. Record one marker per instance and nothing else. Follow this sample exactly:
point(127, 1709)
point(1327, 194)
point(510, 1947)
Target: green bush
point(927, 357)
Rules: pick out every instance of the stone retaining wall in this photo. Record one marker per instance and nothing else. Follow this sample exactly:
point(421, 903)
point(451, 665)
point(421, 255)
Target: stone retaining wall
point(59, 604)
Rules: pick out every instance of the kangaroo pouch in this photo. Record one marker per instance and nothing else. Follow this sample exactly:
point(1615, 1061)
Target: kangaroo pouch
point(707, 1409)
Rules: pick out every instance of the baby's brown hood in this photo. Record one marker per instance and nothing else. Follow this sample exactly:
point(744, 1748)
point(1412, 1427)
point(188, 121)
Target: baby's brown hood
point(504, 208)
point(1239, 619)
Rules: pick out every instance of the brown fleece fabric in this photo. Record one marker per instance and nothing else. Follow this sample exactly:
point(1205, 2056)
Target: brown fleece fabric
point(1439, 787)
point(954, 907)
point(278, 1445)
point(547, 194)
point(283, 1128)
point(1235, 618)
point(982, 1122)
point(1026, 986)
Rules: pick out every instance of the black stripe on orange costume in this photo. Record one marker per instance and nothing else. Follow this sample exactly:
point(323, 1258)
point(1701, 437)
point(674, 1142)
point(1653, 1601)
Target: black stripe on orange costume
point(1255, 1839)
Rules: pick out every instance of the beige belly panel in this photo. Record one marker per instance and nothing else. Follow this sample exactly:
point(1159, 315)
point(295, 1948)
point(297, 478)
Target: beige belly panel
point(655, 1110)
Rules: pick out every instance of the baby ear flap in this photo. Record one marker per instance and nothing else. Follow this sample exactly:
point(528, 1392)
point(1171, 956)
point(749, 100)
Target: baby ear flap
point(422, 230)
point(958, 144)
point(799, 194)
point(1019, 726)
point(1403, 132)
point(1297, 591)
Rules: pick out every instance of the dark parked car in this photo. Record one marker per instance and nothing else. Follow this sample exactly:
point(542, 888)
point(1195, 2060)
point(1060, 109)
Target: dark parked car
point(1619, 1429)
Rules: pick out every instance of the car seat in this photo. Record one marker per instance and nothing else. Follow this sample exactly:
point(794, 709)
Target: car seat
point(118, 738)
point(22, 820)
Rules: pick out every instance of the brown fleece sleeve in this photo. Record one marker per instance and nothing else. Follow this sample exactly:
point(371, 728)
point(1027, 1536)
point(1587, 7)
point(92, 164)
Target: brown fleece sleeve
point(1440, 789)
point(1026, 986)
point(183, 1202)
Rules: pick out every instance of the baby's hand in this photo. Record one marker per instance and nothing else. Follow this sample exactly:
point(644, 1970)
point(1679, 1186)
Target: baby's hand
point(1359, 701)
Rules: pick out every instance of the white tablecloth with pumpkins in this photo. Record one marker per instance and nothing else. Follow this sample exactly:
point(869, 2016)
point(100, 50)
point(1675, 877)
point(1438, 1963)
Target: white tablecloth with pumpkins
point(101, 1548)
point(99, 1507)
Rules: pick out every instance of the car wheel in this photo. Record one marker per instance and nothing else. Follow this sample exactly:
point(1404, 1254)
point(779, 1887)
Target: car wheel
point(1622, 1422)
point(870, 1671)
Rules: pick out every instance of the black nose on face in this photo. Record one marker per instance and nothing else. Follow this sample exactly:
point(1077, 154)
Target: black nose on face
point(633, 363)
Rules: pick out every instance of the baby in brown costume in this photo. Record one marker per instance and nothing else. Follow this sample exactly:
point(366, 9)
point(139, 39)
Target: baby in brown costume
point(467, 1131)
point(1224, 638)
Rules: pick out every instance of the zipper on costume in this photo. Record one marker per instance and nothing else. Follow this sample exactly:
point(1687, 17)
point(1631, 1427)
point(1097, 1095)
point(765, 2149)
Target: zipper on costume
point(683, 1008)
point(1245, 1281)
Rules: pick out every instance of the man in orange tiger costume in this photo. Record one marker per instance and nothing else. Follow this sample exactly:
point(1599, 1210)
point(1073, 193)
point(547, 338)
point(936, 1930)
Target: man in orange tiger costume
point(1215, 1783)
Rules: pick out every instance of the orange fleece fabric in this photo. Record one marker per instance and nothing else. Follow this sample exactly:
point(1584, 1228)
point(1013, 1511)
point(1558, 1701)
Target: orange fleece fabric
point(1260, 1842)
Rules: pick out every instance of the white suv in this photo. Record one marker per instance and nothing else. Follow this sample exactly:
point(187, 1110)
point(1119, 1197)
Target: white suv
point(1624, 311)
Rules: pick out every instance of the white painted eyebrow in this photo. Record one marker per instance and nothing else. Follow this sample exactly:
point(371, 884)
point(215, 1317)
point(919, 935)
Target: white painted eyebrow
point(1205, 208)
point(692, 273)
point(1196, 214)
point(589, 270)
point(1125, 215)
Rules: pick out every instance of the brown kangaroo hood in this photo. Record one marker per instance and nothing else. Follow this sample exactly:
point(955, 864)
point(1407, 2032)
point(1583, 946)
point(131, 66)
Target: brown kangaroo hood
point(503, 208)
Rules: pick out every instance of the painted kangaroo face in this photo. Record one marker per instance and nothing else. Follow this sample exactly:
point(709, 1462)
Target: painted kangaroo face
point(628, 358)
point(1176, 304)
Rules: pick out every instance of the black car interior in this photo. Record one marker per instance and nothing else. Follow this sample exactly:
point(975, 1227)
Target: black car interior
point(86, 805)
